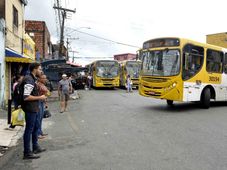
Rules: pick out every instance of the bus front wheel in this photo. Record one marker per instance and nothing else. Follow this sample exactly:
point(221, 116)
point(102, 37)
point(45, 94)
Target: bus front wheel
point(205, 99)
point(169, 102)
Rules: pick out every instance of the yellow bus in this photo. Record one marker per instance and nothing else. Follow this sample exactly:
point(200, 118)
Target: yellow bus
point(177, 69)
point(132, 68)
point(105, 73)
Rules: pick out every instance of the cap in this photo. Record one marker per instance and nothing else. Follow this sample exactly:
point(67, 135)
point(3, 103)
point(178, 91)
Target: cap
point(64, 75)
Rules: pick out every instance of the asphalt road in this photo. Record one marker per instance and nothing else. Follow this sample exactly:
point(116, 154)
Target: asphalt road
point(115, 130)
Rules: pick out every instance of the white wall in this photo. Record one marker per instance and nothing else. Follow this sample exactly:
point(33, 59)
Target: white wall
point(2, 61)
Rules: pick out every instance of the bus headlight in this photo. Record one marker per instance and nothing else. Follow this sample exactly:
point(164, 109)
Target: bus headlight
point(170, 87)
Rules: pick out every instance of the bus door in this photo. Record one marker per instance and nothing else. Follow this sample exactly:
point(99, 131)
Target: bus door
point(193, 57)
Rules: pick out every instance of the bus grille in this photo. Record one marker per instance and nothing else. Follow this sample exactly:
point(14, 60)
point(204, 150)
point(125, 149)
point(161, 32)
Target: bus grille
point(152, 87)
point(107, 79)
point(152, 93)
point(108, 84)
point(154, 80)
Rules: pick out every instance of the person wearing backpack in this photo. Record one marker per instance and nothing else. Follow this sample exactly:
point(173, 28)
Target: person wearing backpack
point(30, 106)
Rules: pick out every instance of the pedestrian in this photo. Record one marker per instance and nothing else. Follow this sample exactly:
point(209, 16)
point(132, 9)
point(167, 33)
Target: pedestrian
point(89, 79)
point(30, 105)
point(42, 90)
point(18, 80)
point(64, 90)
point(16, 84)
point(129, 83)
point(70, 80)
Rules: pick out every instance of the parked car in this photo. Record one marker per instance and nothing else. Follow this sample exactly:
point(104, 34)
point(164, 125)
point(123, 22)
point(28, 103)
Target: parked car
point(79, 82)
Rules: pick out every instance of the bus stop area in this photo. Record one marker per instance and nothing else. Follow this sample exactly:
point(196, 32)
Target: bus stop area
point(9, 138)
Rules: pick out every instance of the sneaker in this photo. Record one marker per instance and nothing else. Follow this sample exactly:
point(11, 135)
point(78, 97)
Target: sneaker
point(38, 150)
point(31, 156)
point(44, 134)
point(41, 137)
point(12, 126)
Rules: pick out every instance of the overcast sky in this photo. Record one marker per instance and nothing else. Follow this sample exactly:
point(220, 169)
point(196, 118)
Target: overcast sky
point(130, 22)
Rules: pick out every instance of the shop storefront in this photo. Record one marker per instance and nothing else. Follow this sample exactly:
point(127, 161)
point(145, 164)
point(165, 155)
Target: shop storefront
point(17, 64)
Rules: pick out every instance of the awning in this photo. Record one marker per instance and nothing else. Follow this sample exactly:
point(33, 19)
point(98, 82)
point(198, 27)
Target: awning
point(12, 56)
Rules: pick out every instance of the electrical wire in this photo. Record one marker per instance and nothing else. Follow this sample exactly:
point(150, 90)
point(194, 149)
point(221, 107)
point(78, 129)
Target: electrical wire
point(116, 42)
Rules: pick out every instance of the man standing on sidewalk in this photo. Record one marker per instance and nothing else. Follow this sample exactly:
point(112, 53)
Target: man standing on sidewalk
point(30, 106)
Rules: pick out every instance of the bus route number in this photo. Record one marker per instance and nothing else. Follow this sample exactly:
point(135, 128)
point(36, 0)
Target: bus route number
point(211, 78)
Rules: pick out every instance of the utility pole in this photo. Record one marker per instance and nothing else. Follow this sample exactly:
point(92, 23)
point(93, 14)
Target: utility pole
point(64, 13)
point(67, 46)
point(73, 55)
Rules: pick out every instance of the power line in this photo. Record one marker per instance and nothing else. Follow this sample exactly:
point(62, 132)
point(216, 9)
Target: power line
point(116, 42)
point(63, 12)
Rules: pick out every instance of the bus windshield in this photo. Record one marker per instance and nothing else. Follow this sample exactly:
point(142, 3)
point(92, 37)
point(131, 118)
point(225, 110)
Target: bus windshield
point(161, 62)
point(133, 69)
point(107, 69)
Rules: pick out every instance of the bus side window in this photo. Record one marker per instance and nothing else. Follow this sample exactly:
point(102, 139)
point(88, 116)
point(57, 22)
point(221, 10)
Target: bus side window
point(225, 64)
point(214, 61)
point(225, 68)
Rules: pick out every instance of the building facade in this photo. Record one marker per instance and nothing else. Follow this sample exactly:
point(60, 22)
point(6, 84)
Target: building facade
point(219, 39)
point(2, 61)
point(41, 36)
point(126, 56)
point(16, 56)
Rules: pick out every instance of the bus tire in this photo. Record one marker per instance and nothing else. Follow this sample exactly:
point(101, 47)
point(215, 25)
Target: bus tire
point(169, 102)
point(205, 99)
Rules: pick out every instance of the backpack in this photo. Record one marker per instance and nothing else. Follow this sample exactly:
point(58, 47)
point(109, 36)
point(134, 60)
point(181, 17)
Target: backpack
point(18, 93)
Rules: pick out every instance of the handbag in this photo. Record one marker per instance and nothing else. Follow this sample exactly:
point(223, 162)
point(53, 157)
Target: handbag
point(46, 113)
point(18, 117)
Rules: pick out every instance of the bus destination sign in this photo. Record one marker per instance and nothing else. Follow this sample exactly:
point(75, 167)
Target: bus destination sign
point(162, 42)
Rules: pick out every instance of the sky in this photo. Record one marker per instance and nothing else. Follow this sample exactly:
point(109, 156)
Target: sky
point(128, 22)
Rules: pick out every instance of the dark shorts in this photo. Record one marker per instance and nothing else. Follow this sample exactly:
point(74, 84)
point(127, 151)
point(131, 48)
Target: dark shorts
point(64, 97)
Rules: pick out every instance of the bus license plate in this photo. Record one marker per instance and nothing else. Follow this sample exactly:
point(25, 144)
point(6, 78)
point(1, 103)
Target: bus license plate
point(151, 92)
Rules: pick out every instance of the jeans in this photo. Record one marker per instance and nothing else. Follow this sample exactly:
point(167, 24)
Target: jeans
point(89, 84)
point(40, 117)
point(129, 87)
point(31, 129)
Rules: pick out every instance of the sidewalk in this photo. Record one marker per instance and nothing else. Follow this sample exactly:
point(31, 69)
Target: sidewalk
point(8, 137)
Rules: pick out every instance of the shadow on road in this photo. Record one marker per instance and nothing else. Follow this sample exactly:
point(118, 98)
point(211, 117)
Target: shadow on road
point(180, 107)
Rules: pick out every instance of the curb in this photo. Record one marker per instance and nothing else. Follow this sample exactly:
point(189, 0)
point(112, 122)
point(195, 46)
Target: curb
point(11, 149)
point(7, 156)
